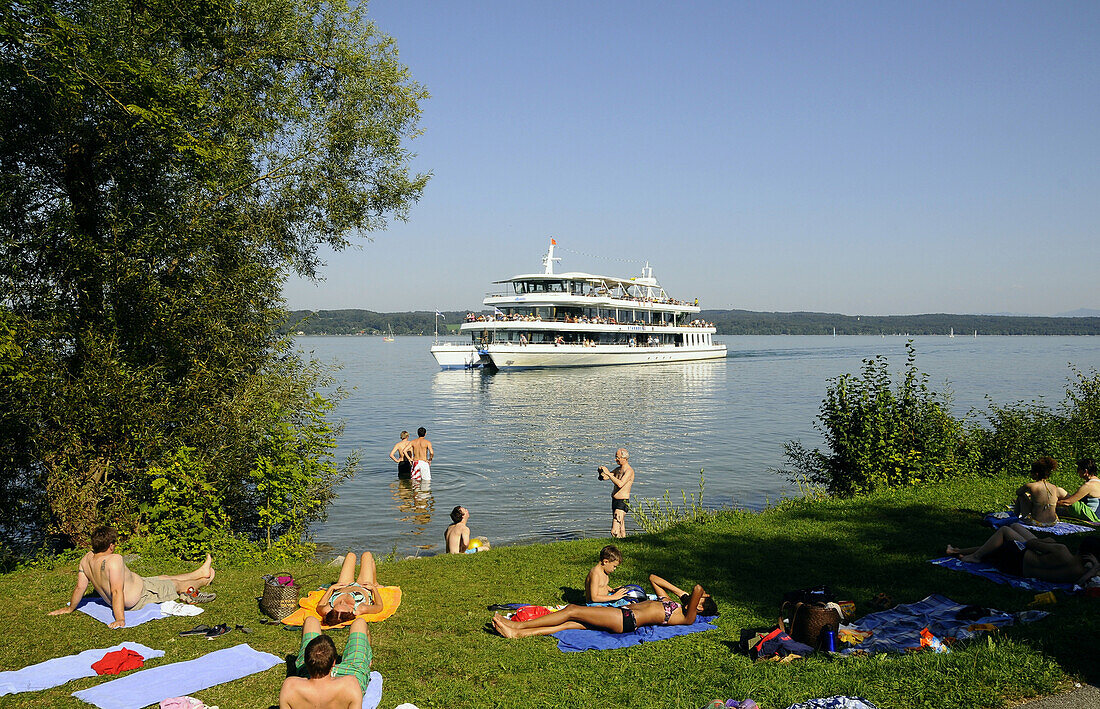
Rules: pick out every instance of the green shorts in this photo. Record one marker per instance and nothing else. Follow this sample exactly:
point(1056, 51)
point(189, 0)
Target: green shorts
point(355, 661)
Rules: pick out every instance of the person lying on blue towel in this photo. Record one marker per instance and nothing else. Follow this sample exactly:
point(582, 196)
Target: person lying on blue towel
point(616, 620)
point(1014, 550)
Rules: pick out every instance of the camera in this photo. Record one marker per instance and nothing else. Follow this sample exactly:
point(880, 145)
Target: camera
point(599, 472)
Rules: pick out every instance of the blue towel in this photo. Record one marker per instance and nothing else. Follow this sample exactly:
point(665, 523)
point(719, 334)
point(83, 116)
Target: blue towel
point(996, 576)
point(101, 611)
point(58, 671)
point(373, 696)
point(1055, 529)
point(898, 629)
point(177, 679)
point(581, 640)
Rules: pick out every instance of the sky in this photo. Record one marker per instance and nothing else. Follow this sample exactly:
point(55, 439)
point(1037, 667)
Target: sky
point(849, 157)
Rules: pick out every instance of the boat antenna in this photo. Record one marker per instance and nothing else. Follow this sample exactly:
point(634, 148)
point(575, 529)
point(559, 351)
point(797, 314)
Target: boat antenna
point(549, 259)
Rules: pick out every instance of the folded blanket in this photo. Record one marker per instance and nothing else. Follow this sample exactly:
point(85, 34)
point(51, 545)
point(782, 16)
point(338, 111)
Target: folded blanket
point(581, 640)
point(995, 520)
point(898, 629)
point(58, 671)
point(177, 679)
point(101, 611)
point(373, 696)
point(391, 599)
point(996, 576)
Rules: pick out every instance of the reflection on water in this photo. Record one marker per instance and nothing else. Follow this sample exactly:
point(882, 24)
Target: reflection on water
point(414, 500)
point(520, 449)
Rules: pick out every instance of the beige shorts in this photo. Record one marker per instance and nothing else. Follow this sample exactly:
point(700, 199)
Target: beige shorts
point(157, 590)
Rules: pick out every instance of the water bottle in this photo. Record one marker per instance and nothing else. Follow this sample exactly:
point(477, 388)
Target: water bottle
point(828, 642)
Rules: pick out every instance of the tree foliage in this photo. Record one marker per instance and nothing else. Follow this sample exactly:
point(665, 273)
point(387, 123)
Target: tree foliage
point(163, 166)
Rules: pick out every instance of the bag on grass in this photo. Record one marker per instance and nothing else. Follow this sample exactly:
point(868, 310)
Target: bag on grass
point(807, 622)
point(280, 597)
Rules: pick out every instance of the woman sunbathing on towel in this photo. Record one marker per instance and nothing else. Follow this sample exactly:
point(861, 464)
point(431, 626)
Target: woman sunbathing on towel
point(1014, 550)
point(351, 596)
point(616, 620)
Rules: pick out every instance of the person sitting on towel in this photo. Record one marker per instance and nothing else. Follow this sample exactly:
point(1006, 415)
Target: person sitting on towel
point(123, 589)
point(1085, 503)
point(1014, 550)
point(616, 620)
point(351, 596)
point(597, 586)
point(1036, 501)
point(322, 682)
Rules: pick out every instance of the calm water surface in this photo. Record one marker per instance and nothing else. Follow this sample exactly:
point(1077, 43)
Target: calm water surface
point(520, 449)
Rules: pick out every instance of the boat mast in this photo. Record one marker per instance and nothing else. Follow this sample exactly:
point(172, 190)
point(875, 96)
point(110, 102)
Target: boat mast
point(549, 259)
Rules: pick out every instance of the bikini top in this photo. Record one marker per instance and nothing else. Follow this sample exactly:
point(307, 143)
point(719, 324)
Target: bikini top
point(358, 597)
point(670, 608)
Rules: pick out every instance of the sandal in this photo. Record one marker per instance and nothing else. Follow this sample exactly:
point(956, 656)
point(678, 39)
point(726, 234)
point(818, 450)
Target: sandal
point(217, 631)
point(197, 630)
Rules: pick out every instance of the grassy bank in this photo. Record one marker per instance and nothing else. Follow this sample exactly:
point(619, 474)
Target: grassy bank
point(435, 652)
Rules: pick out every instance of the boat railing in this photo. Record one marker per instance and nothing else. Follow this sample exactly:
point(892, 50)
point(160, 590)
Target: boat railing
point(620, 298)
point(580, 321)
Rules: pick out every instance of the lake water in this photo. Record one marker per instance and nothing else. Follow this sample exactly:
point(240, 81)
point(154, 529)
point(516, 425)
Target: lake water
point(520, 449)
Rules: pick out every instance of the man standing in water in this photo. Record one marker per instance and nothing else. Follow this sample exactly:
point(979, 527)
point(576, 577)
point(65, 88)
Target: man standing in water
point(422, 455)
point(623, 478)
point(402, 455)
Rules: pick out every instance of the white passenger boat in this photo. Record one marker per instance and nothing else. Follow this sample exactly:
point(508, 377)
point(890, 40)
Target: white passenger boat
point(580, 320)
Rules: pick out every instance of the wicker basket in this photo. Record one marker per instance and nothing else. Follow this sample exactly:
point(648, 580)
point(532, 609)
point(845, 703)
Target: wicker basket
point(805, 622)
point(279, 599)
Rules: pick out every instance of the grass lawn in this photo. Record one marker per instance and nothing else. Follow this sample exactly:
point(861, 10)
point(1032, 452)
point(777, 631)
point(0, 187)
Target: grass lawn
point(436, 651)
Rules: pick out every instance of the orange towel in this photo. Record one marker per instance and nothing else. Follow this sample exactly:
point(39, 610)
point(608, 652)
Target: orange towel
point(391, 599)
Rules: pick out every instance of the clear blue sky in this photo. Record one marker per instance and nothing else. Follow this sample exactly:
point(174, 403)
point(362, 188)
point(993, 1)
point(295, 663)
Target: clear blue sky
point(852, 157)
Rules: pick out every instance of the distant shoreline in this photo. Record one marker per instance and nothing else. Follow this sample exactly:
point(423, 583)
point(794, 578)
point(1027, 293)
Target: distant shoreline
point(728, 322)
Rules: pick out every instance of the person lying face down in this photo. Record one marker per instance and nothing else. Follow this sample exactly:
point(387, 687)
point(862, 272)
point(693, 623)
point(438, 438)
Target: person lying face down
point(1014, 550)
point(616, 620)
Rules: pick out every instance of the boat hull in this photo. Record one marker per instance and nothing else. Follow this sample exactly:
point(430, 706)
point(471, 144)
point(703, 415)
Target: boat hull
point(512, 357)
point(451, 356)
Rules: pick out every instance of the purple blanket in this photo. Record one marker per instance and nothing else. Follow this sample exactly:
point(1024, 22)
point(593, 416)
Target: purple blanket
point(581, 640)
point(98, 609)
point(996, 576)
point(1056, 529)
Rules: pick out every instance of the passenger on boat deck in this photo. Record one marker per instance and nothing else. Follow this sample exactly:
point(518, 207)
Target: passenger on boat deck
point(1036, 501)
point(1014, 550)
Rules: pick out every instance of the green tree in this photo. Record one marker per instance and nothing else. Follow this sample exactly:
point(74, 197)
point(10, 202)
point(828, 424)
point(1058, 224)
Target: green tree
point(163, 167)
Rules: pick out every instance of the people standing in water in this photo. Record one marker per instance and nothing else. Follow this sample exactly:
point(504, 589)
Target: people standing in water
point(623, 478)
point(1085, 503)
point(402, 455)
point(457, 535)
point(422, 455)
point(1036, 501)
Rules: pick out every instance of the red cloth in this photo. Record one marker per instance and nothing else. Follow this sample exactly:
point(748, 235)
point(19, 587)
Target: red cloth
point(119, 661)
point(529, 613)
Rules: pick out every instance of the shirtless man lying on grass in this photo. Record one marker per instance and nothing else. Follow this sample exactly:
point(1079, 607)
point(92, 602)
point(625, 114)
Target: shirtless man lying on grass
point(124, 589)
point(321, 681)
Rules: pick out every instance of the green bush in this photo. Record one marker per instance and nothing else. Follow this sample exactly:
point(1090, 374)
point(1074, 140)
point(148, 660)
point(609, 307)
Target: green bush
point(882, 435)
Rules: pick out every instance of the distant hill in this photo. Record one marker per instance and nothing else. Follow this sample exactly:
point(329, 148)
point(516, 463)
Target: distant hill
point(1080, 313)
point(746, 322)
point(728, 322)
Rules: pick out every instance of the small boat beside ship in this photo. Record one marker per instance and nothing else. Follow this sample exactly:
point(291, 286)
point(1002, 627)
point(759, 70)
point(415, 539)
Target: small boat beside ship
point(578, 319)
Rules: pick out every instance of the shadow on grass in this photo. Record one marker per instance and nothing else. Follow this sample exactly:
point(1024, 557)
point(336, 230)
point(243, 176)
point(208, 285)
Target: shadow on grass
point(858, 550)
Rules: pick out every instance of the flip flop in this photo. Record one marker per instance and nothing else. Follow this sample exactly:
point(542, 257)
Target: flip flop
point(217, 631)
point(197, 630)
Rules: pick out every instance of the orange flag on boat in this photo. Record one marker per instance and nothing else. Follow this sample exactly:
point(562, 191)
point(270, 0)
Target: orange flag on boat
point(554, 242)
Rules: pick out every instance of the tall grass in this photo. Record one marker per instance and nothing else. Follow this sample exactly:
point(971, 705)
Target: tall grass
point(656, 514)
